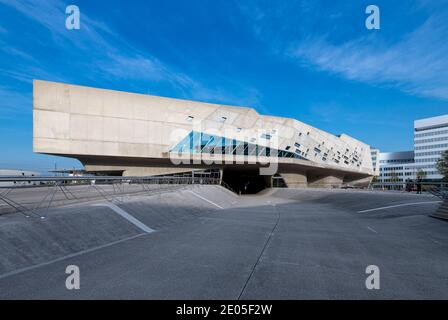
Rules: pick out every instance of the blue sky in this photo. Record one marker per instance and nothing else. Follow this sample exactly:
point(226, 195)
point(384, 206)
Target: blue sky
point(311, 60)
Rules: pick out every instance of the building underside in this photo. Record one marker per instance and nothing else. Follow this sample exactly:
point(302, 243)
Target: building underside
point(119, 133)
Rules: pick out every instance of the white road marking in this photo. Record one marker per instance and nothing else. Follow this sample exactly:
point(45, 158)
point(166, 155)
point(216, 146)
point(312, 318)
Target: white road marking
point(371, 229)
point(435, 241)
point(398, 205)
point(201, 197)
point(8, 274)
point(126, 215)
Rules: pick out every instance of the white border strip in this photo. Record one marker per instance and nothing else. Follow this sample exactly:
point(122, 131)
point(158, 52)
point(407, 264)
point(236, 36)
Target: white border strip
point(199, 196)
point(398, 205)
point(11, 273)
point(371, 229)
point(126, 215)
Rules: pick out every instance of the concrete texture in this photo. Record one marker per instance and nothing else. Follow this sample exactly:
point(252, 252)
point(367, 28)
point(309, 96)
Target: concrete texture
point(282, 243)
point(131, 132)
point(320, 181)
point(295, 180)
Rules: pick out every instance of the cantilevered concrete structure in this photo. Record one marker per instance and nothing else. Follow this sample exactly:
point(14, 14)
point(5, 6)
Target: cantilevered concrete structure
point(134, 134)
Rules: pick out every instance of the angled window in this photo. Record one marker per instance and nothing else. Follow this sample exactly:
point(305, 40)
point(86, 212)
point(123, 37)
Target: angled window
point(239, 149)
point(251, 149)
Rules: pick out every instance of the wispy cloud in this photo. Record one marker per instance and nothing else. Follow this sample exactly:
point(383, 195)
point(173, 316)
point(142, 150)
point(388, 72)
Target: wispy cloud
point(416, 64)
point(121, 59)
point(113, 57)
point(13, 102)
point(414, 61)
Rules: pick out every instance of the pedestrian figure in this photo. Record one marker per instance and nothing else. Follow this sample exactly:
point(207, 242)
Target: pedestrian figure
point(419, 185)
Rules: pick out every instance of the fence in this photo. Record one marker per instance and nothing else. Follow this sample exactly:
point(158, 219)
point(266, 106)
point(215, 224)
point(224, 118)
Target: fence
point(439, 189)
point(28, 195)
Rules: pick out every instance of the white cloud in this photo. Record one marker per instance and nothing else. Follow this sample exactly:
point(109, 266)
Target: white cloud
point(111, 56)
point(13, 102)
point(416, 64)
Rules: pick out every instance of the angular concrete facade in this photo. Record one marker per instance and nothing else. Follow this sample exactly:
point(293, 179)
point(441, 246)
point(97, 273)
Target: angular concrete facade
point(134, 134)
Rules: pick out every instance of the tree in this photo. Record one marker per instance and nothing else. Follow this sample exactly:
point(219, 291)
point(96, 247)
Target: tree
point(442, 165)
point(394, 177)
point(421, 173)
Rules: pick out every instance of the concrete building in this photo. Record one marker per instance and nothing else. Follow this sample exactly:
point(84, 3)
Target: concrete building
point(139, 135)
point(430, 141)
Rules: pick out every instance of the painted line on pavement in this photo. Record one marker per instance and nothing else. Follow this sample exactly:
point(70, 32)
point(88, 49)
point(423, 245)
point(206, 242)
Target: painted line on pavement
point(398, 205)
point(126, 215)
point(201, 197)
point(371, 229)
point(12, 273)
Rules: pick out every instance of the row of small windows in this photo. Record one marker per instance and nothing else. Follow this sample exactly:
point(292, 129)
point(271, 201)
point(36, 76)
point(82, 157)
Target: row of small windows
point(424, 168)
point(428, 134)
point(426, 160)
point(433, 146)
point(396, 174)
point(391, 169)
point(266, 136)
point(429, 153)
point(431, 140)
point(324, 154)
point(406, 174)
point(432, 172)
point(397, 161)
point(222, 119)
point(317, 149)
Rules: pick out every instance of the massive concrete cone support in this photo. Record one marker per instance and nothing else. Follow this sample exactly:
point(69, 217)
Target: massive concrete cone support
point(141, 134)
point(295, 180)
point(325, 181)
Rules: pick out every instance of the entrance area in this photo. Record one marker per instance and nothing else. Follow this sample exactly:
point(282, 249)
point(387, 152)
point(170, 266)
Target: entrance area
point(246, 181)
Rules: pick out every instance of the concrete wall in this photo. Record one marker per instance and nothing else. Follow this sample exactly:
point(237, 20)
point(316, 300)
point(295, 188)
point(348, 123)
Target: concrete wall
point(89, 123)
point(325, 181)
point(295, 180)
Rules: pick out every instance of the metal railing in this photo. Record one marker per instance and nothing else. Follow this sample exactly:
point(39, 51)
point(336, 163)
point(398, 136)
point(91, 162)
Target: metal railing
point(29, 195)
point(439, 189)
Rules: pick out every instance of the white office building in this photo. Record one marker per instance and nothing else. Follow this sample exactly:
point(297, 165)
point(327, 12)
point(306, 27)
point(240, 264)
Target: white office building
point(430, 141)
point(396, 166)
